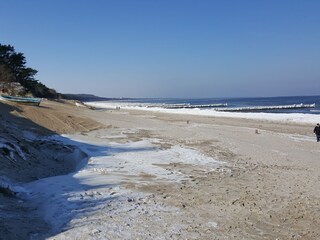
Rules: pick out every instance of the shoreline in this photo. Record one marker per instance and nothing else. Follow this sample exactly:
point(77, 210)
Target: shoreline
point(265, 175)
point(307, 118)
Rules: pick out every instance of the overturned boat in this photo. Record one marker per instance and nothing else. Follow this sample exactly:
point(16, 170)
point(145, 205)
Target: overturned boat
point(21, 100)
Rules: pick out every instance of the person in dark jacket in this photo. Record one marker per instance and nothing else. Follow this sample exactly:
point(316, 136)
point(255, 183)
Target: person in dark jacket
point(317, 132)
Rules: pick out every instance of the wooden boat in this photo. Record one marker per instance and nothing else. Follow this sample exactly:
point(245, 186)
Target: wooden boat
point(21, 100)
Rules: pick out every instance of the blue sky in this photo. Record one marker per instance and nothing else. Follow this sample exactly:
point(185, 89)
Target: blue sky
point(169, 48)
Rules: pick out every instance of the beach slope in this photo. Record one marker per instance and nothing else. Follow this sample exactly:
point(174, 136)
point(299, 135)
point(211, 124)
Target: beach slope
point(154, 175)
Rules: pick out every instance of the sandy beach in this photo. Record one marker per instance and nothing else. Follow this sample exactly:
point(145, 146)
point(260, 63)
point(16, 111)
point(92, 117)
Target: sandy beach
point(129, 174)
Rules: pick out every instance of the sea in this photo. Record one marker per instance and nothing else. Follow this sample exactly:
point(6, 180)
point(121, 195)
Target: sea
point(291, 104)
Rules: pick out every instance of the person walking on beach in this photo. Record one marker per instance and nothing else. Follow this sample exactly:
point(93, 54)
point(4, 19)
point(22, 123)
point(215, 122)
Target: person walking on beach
point(317, 132)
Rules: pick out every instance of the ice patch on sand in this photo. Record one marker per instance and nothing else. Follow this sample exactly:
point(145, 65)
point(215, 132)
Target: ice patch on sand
point(97, 191)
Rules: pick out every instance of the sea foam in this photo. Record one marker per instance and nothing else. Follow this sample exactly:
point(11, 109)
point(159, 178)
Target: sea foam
point(283, 117)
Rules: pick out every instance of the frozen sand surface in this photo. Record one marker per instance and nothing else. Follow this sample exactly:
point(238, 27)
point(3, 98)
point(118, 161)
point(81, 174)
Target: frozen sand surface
point(96, 192)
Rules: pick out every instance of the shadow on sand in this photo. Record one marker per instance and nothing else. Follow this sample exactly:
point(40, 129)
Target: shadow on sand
point(38, 209)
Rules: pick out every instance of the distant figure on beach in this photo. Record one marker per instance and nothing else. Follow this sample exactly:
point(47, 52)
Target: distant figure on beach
point(317, 132)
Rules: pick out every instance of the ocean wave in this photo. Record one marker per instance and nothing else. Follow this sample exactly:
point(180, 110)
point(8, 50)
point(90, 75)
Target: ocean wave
point(187, 105)
point(257, 108)
point(282, 117)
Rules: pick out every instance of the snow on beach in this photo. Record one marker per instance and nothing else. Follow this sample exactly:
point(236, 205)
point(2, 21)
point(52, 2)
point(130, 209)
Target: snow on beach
point(283, 117)
point(145, 177)
point(77, 199)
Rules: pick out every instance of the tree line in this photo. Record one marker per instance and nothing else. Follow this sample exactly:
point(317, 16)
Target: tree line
point(18, 79)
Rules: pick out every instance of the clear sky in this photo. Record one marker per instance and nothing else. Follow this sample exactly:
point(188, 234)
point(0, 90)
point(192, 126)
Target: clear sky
point(169, 48)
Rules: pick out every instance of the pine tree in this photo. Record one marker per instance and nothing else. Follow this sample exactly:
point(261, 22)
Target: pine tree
point(13, 70)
